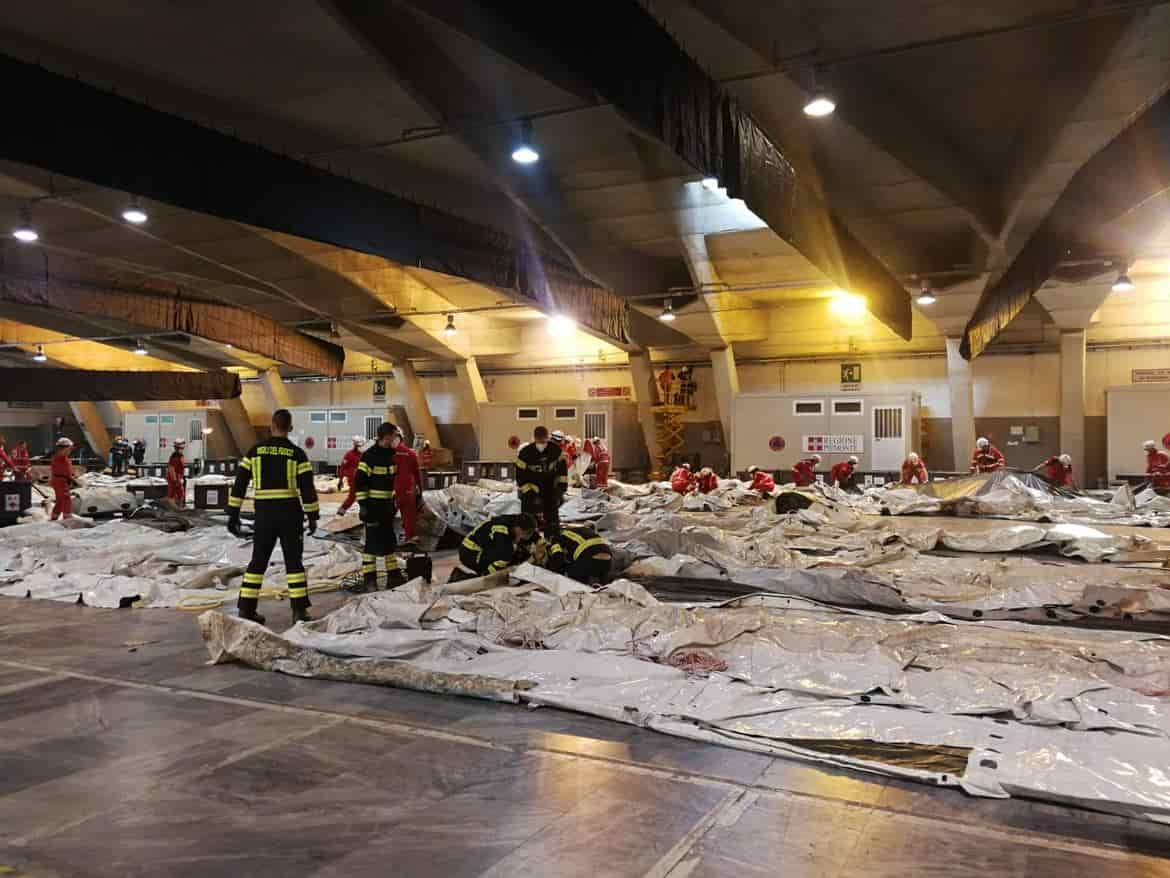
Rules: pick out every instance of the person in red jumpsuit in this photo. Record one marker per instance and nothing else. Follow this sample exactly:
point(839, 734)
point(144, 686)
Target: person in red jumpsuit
point(682, 480)
point(5, 460)
point(21, 462)
point(914, 470)
point(987, 458)
point(708, 481)
point(601, 463)
point(407, 485)
point(177, 476)
point(804, 471)
point(347, 471)
point(762, 482)
point(841, 474)
point(665, 384)
point(1058, 470)
point(61, 479)
point(1157, 465)
point(426, 457)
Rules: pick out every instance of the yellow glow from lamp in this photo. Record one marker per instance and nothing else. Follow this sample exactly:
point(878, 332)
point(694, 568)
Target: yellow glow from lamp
point(849, 305)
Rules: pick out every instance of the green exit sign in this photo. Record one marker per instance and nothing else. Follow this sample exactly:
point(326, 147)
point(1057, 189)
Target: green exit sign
point(851, 373)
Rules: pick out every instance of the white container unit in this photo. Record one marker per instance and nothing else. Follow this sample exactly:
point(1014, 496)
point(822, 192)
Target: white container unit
point(327, 433)
point(502, 424)
point(774, 430)
point(1134, 414)
point(160, 428)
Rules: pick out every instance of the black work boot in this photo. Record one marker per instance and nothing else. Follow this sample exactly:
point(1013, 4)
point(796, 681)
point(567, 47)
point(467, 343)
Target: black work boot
point(369, 582)
point(394, 576)
point(300, 610)
point(246, 609)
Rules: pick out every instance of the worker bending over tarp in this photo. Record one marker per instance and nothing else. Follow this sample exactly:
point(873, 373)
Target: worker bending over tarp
point(804, 471)
point(1058, 470)
point(682, 480)
point(987, 458)
point(579, 553)
point(842, 476)
point(762, 482)
point(492, 546)
point(914, 470)
point(1157, 465)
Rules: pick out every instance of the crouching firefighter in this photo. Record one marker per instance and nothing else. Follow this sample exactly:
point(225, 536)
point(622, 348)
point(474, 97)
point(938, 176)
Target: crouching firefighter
point(492, 546)
point(580, 554)
point(542, 478)
point(282, 488)
point(374, 489)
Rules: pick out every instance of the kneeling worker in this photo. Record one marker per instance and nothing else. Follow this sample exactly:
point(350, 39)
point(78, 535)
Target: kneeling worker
point(914, 470)
point(491, 547)
point(761, 481)
point(374, 490)
point(804, 471)
point(1157, 465)
point(841, 474)
point(282, 487)
point(1058, 470)
point(708, 481)
point(579, 553)
point(682, 480)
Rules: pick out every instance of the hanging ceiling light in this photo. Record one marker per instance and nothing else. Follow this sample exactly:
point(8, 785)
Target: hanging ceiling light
point(133, 213)
point(450, 329)
point(560, 326)
point(24, 231)
point(925, 295)
point(1123, 284)
point(667, 315)
point(524, 153)
point(710, 184)
point(140, 348)
point(39, 356)
point(821, 103)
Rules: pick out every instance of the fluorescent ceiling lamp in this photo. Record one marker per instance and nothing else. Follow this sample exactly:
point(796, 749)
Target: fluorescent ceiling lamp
point(140, 349)
point(710, 184)
point(1123, 284)
point(39, 356)
point(524, 153)
point(667, 315)
point(820, 105)
point(845, 304)
point(450, 329)
point(24, 231)
point(925, 296)
point(134, 213)
point(560, 326)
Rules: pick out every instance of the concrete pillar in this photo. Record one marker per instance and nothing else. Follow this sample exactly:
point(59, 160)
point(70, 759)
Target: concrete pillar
point(415, 402)
point(276, 392)
point(1072, 399)
point(642, 375)
point(726, 378)
point(92, 427)
point(239, 424)
point(962, 407)
point(472, 391)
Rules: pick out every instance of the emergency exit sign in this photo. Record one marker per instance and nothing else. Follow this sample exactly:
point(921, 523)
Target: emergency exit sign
point(851, 376)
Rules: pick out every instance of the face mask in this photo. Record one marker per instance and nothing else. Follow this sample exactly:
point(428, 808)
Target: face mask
point(540, 446)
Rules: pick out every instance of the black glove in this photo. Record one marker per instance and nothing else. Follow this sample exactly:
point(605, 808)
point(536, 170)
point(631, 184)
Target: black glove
point(233, 524)
point(419, 501)
point(312, 528)
point(364, 512)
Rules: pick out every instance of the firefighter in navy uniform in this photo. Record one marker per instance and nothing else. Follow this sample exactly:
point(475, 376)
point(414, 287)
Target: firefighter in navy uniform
point(374, 490)
point(579, 553)
point(542, 479)
point(493, 546)
point(282, 488)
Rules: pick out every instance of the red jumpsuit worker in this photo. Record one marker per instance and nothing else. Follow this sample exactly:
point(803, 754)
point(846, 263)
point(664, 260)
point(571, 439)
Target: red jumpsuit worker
point(682, 480)
point(841, 473)
point(5, 460)
point(426, 457)
point(349, 464)
point(61, 479)
point(803, 471)
point(708, 481)
point(762, 482)
point(1157, 465)
point(177, 475)
point(1058, 470)
point(914, 470)
point(21, 462)
point(601, 463)
point(987, 458)
point(407, 487)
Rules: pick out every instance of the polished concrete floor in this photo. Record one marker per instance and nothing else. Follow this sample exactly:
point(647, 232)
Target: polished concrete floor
point(123, 754)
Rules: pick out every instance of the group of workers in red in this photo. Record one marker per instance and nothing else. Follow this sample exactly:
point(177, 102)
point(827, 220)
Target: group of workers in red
point(408, 480)
point(17, 460)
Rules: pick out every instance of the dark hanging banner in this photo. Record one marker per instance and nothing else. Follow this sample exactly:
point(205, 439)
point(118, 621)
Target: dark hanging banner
point(37, 384)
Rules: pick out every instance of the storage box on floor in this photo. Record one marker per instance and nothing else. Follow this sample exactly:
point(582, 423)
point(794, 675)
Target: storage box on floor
point(504, 424)
point(15, 498)
point(774, 430)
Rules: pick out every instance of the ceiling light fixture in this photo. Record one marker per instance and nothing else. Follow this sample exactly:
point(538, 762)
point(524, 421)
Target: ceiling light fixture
point(560, 326)
point(524, 153)
point(925, 295)
point(450, 329)
point(1123, 284)
point(710, 184)
point(133, 213)
point(140, 348)
point(667, 315)
point(845, 304)
point(24, 231)
point(821, 103)
point(39, 356)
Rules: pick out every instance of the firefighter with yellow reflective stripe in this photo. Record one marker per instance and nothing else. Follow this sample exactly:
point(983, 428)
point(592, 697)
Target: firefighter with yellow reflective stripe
point(579, 553)
point(374, 490)
point(542, 479)
point(491, 547)
point(282, 488)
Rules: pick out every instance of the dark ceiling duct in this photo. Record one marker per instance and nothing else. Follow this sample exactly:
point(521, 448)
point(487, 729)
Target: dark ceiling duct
point(1132, 169)
point(41, 384)
point(72, 128)
point(615, 49)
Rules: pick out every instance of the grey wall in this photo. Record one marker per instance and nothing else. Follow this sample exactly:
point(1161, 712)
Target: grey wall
point(1096, 461)
point(460, 438)
point(938, 447)
point(1024, 455)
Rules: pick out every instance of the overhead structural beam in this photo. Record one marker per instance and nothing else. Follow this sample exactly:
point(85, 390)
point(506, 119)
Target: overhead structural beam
point(1122, 177)
point(222, 323)
point(667, 96)
point(43, 384)
point(72, 128)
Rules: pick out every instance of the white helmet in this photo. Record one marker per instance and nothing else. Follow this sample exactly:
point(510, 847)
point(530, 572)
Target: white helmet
point(913, 457)
point(180, 443)
point(1066, 459)
point(359, 440)
point(1149, 445)
point(853, 459)
point(557, 436)
point(816, 458)
point(64, 442)
point(981, 442)
point(752, 470)
point(705, 471)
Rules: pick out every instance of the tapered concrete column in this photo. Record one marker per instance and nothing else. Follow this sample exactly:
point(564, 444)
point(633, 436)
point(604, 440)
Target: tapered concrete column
point(415, 402)
point(726, 388)
point(642, 375)
point(277, 393)
point(962, 407)
point(1072, 399)
point(239, 424)
point(472, 391)
point(92, 427)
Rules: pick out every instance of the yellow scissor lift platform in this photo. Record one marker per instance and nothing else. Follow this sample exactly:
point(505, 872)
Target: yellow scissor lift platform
point(668, 436)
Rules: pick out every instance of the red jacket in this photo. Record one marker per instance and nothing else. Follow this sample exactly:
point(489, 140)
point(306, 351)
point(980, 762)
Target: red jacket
point(841, 472)
point(569, 450)
point(349, 464)
point(176, 474)
point(762, 481)
point(5, 461)
point(1158, 468)
point(426, 458)
point(601, 455)
point(407, 477)
point(21, 462)
point(682, 480)
point(708, 483)
point(1057, 472)
point(802, 472)
point(61, 469)
point(912, 471)
point(987, 461)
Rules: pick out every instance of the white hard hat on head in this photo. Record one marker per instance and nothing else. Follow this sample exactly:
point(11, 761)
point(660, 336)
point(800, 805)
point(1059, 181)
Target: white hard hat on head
point(179, 443)
point(816, 457)
point(1149, 445)
point(1066, 459)
point(706, 470)
point(853, 459)
point(912, 457)
point(981, 442)
point(752, 469)
point(358, 440)
point(65, 442)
